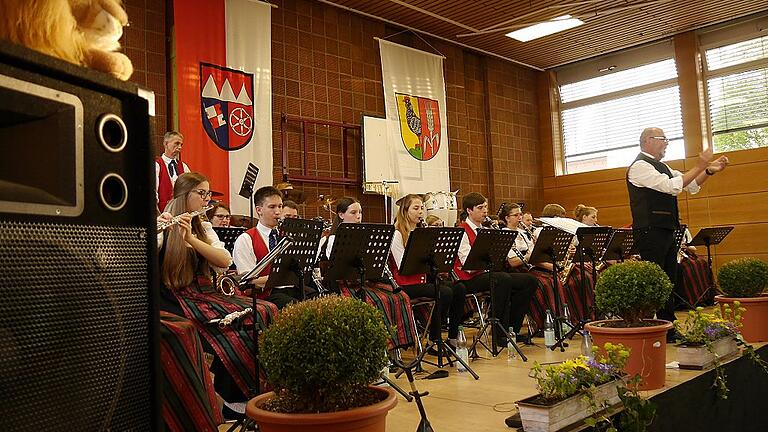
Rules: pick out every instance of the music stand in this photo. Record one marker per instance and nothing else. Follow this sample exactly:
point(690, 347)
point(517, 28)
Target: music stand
point(360, 252)
point(708, 237)
point(620, 246)
point(228, 235)
point(552, 246)
point(592, 242)
point(293, 264)
point(432, 251)
point(281, 246)
point(489, 253)
point(246, 189)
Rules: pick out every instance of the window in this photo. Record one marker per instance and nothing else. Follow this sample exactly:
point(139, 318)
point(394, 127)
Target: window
point(606, 103)
point(737, 89)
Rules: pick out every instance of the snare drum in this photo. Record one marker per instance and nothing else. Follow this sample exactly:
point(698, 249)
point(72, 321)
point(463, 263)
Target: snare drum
point(440, 201)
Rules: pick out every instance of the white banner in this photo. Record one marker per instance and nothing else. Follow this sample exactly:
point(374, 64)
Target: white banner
point(417, 125)
point(249, 48)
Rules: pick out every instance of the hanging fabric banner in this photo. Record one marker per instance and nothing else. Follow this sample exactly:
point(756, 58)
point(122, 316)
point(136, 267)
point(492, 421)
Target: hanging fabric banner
point(417, 128)
point(224, 91)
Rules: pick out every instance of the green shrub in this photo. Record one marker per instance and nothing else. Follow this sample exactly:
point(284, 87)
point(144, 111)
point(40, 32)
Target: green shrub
point(744, 277)
point(633, 290)
point(321, 355)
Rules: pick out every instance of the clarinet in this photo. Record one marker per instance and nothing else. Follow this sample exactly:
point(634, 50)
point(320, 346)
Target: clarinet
point(421, 223)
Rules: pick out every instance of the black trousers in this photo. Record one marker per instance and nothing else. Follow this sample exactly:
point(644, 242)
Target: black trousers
point(451, 305)
point(510, 298)
point(658, 245)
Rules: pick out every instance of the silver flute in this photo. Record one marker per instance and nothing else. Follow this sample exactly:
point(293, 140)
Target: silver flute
point(176, 219)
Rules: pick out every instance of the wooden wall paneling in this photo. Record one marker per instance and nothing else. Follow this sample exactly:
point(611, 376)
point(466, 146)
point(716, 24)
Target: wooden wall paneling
point(745, 239)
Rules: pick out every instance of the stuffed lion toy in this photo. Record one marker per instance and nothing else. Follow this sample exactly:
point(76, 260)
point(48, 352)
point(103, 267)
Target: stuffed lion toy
point(84, 32)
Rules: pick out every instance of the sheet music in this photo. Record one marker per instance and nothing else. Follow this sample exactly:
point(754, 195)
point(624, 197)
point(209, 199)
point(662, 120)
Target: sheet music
point(566, 224)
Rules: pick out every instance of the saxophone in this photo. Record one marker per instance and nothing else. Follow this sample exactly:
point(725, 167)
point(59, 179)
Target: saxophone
point(567, 265)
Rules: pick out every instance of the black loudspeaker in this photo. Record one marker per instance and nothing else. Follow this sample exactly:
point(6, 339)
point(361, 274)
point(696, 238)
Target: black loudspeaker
point(78, 265)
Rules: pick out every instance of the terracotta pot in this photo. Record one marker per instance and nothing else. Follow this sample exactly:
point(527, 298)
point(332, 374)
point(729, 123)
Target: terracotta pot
point(372, 418)
point(648, 355)
point(754, 319)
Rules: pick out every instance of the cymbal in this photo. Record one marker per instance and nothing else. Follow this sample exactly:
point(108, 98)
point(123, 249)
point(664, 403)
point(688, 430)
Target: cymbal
point(284, 186)
point(324, 201)
point(295, 195)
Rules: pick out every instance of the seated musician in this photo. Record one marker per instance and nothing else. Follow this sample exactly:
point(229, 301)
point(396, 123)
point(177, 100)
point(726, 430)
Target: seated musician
point(394, 306)
point(434, 221)
point(255, 243)
point(218, 215)
point(187, 252)
point(451, 304)
point(511, 216)
point(512, 292)
point(694, 278)
point(585, 214)
point(290, 210)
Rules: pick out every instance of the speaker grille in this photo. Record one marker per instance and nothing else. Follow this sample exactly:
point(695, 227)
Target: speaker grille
point(74, 327)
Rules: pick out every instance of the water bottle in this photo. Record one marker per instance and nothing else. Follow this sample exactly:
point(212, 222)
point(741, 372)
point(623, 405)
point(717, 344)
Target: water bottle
point(461, 350)
point(586, 346)
point(510, 346)
point(549, 330)
point(565, 324)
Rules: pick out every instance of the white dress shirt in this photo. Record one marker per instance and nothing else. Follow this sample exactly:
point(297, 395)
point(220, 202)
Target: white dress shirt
point(465, 247)
point(521, 243)
point(397, 248)
point(211, 237)
point(643, 174)
point(244, 256)
point(175, 175)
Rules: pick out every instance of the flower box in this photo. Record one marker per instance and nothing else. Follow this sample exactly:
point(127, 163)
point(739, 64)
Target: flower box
point(550, 418)
point(699, 357)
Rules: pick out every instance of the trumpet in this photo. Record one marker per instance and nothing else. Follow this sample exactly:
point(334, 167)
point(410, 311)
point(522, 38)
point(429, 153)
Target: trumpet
point(176, 219)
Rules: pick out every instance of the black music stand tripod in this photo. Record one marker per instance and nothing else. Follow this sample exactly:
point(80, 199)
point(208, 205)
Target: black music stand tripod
point(247, 423)
point(489, 252)
point(552, 246)
point(290, 268)
point(709, 237)
point(433, 251)
point(591, 239)
point(360, 252)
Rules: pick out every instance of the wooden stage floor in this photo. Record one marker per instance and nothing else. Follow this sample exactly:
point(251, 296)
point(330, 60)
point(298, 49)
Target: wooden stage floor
point(459, 403)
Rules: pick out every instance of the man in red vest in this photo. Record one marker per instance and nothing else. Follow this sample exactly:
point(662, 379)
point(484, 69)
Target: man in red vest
point(168, 167)
point(253, 245)
point(512, 292)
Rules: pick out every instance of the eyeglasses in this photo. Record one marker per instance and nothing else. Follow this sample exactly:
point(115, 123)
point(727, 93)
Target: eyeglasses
point(665, 139)
point(222, 216)
point(202, 192)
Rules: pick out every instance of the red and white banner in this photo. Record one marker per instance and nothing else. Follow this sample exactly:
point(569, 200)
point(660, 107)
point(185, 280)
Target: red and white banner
point(224, 91)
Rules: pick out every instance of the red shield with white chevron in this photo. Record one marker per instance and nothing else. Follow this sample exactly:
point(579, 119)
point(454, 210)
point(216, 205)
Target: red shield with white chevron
point(226, 103)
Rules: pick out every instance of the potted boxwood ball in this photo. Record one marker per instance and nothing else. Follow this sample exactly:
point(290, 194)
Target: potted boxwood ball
point(745, 280)
point(634, 290)
point(321, 356)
